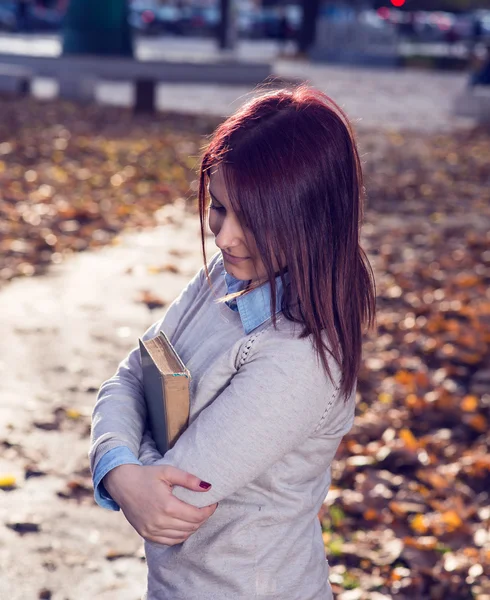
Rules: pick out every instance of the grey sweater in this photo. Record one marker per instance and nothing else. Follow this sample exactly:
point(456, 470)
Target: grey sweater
point(264, 427)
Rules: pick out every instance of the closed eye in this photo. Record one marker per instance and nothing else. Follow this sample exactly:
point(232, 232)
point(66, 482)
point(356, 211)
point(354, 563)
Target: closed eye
point(215, 205)
point(217, 208)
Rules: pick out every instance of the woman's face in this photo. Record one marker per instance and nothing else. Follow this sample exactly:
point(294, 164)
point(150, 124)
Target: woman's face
point(237, 245)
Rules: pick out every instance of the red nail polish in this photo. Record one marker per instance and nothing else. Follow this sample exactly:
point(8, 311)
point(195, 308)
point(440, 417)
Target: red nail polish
point(205, 485)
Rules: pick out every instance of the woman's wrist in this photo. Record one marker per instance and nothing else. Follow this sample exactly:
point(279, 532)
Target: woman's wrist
point(112, 481)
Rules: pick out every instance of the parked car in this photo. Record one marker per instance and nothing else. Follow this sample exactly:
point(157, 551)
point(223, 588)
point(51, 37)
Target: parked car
point(168, 18)
point(44, 19)
point(39, 17)
point(266, 22)
point(150, 18)
point(199, 21)
point(246, 23)
point(372, 18)
point(143, 20)
point(433, 26)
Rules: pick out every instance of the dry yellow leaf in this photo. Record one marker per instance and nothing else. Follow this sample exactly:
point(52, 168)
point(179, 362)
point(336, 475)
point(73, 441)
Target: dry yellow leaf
point(470, 358)
point(370, 514)
point(411, 400)
point(7, 481)
point(419, 524)
point(469, 403)
point(404, 377)
point(482, 463)
point(467, 280)
point(422, 379)
point(385, 398)
point(479, 423)
point(436, 480)
point(153, 270)
point(423, 542)
point(452, 520)
point(409, 439)
point(73, 413)
point(396, 575)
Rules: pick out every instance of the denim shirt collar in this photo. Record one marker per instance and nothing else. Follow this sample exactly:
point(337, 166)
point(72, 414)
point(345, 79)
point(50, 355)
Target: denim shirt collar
point(254, 307)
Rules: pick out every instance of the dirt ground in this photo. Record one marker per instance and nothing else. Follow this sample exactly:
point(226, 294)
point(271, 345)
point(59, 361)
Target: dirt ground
point(62, 334)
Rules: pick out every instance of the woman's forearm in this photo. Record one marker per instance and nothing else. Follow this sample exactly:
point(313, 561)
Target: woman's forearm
point(119, 415)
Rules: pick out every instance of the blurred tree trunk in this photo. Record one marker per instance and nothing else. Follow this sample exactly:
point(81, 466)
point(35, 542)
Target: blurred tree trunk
point(95, 27)
point(224, 30)
point(307, 31)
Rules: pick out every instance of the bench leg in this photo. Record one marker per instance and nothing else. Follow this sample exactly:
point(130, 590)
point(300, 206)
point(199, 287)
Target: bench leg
point(145, 96)
point(25, 87)
point(15, 86)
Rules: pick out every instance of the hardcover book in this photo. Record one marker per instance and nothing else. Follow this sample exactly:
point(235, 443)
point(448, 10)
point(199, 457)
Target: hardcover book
point(166, 386)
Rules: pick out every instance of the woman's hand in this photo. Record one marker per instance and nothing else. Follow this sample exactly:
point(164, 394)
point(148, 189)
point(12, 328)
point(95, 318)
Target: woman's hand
point(144, 494)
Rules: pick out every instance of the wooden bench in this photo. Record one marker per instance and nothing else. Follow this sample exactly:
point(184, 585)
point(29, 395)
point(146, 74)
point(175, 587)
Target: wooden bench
point(77, 75)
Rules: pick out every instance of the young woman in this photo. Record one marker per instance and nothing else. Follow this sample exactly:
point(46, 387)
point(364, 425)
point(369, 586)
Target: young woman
point(271, 331)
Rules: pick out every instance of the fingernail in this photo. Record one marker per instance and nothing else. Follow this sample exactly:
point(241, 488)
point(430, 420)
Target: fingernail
point(205, 485)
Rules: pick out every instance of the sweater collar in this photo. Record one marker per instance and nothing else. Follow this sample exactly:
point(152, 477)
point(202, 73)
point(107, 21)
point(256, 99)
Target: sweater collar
point(254, 307)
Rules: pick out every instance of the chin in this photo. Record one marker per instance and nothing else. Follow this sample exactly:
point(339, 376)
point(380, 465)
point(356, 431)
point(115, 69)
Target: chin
point(238, 273)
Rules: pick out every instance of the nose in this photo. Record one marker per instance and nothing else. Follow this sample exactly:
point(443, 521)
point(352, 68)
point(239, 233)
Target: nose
point(229, 234)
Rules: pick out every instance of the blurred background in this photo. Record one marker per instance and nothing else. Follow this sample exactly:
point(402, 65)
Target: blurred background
point(422, 26)
point(105, 109)
point(422, 21)
point(446, 36)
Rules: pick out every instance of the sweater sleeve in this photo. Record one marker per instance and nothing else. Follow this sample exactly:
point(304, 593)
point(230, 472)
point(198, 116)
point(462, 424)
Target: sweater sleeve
point(119, 415)
point(275, 401)
point(112, 459)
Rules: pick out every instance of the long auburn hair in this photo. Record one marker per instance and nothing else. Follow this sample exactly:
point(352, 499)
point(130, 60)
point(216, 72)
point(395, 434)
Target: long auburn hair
point(294, 178)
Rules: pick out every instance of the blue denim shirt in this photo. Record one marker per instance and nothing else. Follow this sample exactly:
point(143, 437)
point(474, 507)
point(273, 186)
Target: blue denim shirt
point(254, 309)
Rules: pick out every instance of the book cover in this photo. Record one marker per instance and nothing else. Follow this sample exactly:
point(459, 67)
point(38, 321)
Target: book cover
point(166, 387)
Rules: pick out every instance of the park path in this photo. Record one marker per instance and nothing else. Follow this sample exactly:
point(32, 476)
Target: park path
point(62, 334)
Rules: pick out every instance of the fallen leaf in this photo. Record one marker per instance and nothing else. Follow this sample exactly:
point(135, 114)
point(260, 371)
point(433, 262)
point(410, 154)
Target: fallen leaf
point(23, 527)
point(7, 481)
point(151, 300)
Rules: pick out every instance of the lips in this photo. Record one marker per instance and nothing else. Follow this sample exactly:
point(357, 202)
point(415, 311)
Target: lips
point(233, 259)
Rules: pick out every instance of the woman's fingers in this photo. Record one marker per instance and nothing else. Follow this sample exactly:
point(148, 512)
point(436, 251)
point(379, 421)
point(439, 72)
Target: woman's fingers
point(166, 541)
point(172, 534)
point(186, 512)
point(175, 476)
point(179, 526)
point(146, 499)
